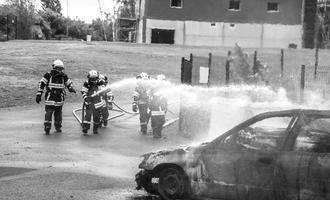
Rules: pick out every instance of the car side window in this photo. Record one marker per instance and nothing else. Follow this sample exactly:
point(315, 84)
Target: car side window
point(262, 135)
point(314, 136)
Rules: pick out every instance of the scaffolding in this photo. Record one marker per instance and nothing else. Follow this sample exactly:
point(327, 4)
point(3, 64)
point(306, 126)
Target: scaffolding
point(8, 27)
point(126, 29)
point(323, 13)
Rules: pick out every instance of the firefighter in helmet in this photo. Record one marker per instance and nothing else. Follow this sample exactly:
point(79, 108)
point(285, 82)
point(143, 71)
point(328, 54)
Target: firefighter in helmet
point(108, 98)
point(157, 106)
point(92, 102)
point(55, 83)
point(141, 100)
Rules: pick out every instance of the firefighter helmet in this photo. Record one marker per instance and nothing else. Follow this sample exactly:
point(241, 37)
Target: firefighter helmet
point(58, 65)
point(103, 79)
point(161, 77)
point(143, 76)
point(93, 75)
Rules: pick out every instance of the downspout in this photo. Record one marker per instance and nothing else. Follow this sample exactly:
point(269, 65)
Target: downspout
point(144, 22)
point(302, 24)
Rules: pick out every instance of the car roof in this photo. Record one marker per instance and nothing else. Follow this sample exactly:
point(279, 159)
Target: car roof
point(280, 113)
point(295, 111)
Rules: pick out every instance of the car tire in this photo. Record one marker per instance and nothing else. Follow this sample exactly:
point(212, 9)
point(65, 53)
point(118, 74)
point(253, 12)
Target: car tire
point(173, 184)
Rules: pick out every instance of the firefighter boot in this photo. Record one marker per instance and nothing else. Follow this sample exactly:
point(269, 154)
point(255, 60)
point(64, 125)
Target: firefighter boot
point(155, 133)
point(47, 126)
point(105, 123)
point(95, 127)
point(144, 129)
point(85, 129)
point(58, 127)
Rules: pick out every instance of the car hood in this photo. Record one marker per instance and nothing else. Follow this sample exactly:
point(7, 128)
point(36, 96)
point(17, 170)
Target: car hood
point(180, 156)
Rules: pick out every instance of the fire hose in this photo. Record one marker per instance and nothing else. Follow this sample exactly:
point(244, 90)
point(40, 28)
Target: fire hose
point(119, 109)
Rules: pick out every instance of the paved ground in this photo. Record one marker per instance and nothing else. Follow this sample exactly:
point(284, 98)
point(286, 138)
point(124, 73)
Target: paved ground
point(68, 165)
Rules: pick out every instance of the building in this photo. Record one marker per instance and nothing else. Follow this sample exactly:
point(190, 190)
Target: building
point(250, 23)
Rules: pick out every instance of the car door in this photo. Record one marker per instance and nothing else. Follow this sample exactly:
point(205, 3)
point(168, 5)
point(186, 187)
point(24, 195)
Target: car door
point(256, 175)
point(242, 166)
point(313, 143)
point(220, 164)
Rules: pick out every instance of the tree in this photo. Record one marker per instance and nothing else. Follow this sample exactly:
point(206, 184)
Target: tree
point(97, 29)
point(51, 13)
point(126, 8)
point(78, 29)
point(26, 12)
point(54, 5)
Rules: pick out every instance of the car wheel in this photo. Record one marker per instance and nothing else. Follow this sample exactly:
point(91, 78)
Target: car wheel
point(173, 184)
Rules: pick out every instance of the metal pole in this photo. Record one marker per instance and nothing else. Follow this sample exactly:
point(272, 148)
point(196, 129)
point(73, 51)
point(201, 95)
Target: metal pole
point(282, 62)
point(254, 69)
point(228, 67)
point(316, 59)
point(302, 83)
point(210, 67)
point(182, 69)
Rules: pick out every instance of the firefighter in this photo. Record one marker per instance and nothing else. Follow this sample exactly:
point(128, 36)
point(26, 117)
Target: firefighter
point(158, 107)
point(92, 102)
point(55, 83)
point(108, 98)
point(141, 100)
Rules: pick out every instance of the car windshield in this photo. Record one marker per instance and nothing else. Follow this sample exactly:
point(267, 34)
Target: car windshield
point(264, 134)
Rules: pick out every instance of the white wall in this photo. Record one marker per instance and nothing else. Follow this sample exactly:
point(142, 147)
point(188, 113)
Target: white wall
point(227, 34)
point(279, 35)
point(202, 33)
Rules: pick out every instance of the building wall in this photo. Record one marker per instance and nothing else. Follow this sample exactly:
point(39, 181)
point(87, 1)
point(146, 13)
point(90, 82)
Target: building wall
point(139, 34)
point(252, 11)
point(199, 33)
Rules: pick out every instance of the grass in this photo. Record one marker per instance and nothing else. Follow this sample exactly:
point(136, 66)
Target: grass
point(23, 63)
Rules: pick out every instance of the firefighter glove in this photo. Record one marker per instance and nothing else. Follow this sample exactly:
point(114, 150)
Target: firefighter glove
point(38, 98)
point(110, 106)
point(134, 108)
point(88, 99)
point(71, 89)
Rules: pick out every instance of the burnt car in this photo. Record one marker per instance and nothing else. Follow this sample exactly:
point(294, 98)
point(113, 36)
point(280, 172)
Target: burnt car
point(274, 155)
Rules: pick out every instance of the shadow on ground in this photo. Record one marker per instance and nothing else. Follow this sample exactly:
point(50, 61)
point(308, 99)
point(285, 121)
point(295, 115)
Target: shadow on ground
point(143, 197)
point(12, 171)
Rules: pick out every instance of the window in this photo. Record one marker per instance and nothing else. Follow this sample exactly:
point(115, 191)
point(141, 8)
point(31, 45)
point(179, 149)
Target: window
point(234, 5)
point(272, 7)
point(262, 135)
point(314, 136)
point(176, 3)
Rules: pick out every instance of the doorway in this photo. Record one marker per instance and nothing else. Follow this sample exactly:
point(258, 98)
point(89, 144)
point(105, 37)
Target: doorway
point(163, 36)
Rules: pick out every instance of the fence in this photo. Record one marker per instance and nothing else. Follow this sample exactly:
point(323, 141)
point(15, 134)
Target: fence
point(219, 70)
point(203, 71)
point(320, 82)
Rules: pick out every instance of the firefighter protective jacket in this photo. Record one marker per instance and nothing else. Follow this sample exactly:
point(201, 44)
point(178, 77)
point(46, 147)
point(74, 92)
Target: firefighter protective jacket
point(88, 90)
point(55, 83)
point(108, 96)
point(157, 105)
point(140, 95)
